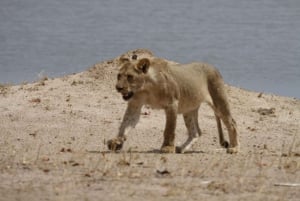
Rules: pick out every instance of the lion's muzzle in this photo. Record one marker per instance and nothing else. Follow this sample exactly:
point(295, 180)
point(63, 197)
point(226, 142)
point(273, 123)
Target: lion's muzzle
point(126, 95)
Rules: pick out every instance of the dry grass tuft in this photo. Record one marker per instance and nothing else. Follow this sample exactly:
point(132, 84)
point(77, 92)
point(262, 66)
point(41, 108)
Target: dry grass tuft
point(4, 88)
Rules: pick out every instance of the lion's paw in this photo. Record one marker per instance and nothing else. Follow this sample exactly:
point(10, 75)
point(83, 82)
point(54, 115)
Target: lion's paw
point(168, 149)
point(115, 144)
point(225, 144)
point(232, 150)
point(179, 150)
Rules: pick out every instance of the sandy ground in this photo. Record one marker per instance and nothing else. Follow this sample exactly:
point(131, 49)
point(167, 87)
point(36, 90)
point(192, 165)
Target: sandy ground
point(53, 134)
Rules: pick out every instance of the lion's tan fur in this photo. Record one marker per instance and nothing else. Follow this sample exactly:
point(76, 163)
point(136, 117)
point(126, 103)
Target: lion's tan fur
point(177, 89)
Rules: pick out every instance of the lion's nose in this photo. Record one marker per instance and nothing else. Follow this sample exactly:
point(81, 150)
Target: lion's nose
point(118, 88)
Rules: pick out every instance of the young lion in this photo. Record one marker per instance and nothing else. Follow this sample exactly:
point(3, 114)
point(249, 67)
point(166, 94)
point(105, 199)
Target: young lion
point(178, 89)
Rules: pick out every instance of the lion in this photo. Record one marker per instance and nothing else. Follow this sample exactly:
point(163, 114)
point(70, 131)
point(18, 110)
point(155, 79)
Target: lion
point(177, 89)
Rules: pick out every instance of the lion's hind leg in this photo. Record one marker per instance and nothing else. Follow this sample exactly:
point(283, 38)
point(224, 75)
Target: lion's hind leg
point(222, 140)
point(194, 131)
point(222, 111)
point(232, 132)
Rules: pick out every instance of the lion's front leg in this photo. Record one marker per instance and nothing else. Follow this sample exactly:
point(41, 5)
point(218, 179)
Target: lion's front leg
point(130, 119)
point(169, 133)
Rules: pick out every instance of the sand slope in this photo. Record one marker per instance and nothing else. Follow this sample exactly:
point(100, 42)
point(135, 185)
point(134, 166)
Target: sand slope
point(53, 133)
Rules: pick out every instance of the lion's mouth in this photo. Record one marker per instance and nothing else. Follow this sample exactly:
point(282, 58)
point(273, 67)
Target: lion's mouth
point(127, 96)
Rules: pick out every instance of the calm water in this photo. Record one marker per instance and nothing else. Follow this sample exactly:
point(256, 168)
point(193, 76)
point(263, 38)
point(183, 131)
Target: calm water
point(255, 44)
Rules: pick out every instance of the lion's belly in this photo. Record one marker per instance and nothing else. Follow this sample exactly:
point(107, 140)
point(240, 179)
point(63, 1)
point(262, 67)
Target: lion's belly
point(157, 102)
point(192, 93)
point(190, 102)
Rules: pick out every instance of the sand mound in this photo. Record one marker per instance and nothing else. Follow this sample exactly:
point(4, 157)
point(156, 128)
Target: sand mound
point(53, 135)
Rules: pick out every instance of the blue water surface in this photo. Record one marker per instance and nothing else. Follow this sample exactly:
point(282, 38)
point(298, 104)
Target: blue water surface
point(255, 44)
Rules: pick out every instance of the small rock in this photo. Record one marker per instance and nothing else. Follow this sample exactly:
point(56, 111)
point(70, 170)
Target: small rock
point(266, 111)
point(163, 172)
point(35, 100)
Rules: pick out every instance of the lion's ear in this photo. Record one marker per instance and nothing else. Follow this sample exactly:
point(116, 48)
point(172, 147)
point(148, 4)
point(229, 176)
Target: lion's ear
point(143, 65)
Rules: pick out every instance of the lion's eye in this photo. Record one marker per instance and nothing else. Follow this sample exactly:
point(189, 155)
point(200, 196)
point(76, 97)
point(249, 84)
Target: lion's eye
point(119, 76)
point(129, 78)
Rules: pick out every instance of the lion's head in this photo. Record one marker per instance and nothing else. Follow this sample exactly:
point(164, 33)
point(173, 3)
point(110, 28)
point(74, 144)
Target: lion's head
point(131, 77)
point(134, 55)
